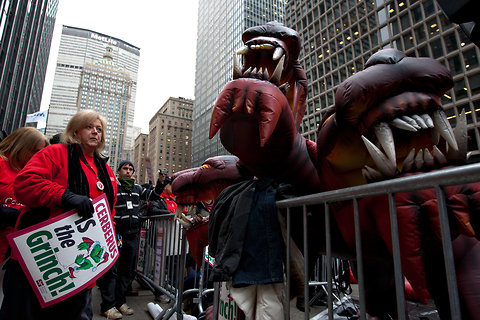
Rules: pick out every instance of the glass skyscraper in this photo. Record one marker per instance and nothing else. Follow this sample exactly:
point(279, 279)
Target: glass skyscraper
point(339, 36)
point(220, 27)
point(99, 72)
point(26, 29)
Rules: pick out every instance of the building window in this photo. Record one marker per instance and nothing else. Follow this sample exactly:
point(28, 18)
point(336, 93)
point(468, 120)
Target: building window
point(474, 84)
point(433, 27)
point(460, 89)
point(437, 49)
point(417, 14)
point(451, 42)
point(423, 51)
point(455, 65)
point(470, 58)
point(408, 41)
point(405, 21)
point(420, 34)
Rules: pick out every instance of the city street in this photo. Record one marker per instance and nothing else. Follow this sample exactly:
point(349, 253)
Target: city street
point(139, 304)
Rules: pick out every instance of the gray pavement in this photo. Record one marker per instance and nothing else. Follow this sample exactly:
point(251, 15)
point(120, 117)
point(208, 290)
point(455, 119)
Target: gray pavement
point(139, 304)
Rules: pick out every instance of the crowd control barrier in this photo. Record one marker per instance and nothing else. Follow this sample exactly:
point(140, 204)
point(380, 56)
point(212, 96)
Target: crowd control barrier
point(163, 247)
point(161, 263)
point(433, 180)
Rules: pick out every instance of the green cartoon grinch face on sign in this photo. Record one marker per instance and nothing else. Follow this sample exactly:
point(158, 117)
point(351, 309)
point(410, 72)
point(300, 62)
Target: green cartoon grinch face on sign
point(95, 252)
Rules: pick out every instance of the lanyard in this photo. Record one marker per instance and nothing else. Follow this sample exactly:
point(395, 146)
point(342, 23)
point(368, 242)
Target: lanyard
point(99, 184)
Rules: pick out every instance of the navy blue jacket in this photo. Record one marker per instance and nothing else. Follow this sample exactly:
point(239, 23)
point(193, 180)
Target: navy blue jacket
point(244, 235)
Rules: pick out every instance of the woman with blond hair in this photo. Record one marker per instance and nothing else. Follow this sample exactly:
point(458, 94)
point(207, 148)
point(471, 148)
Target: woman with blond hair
point(59, 178)
point(15, 151)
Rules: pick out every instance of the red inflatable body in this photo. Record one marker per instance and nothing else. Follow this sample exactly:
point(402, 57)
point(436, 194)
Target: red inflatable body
point(387, 121)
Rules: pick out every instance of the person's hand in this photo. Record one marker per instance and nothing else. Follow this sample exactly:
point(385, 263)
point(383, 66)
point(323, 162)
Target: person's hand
point(8, 216)
point(160, 184)
point(83, 204)
point(209, 313)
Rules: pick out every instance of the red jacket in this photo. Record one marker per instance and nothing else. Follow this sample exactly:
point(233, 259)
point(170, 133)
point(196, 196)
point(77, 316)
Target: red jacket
point(7, 198)
point(6, 185)
point(42, 182)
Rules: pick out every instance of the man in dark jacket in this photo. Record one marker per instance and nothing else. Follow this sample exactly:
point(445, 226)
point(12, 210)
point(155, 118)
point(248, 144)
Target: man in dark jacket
point(165, 204)
point(113, 285)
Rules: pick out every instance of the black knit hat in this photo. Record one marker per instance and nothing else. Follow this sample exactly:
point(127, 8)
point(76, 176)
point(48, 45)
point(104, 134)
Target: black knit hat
point(124, 162)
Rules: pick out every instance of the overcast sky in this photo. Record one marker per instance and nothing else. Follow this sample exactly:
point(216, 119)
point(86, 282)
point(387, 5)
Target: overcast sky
point(165, 32)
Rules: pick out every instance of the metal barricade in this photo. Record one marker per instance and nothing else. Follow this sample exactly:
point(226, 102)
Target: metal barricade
point(195, 299)
point(161, 260)
point(434, 180)
point(163, 244)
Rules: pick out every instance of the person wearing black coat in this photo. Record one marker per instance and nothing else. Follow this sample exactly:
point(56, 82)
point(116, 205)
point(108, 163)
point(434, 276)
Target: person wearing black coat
point(114, 284)
point(165, 204)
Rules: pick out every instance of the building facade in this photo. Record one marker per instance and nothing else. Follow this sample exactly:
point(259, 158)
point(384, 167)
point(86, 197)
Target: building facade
point(170, 136)
point(220, 26)
point(26, 29)
point(99, 72)
point(106, 88)
point(339, 36)
point(140, 154)
point(129, 151)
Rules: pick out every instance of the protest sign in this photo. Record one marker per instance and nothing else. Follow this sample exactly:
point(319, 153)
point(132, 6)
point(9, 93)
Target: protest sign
point(227, 308)
point(142, 242)
point(65, 254)
point(148, 165)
